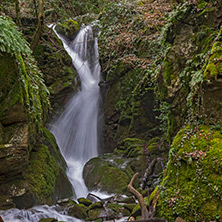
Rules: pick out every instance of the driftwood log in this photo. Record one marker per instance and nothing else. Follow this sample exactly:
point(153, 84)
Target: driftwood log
point(146, 215)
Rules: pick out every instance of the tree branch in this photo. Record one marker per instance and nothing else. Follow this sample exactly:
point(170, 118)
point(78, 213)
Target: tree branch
point(39, 25)
point(144, 211)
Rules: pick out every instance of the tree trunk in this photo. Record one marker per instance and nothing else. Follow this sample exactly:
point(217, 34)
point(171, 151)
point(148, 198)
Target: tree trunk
point(39, 26)
point(18, 14)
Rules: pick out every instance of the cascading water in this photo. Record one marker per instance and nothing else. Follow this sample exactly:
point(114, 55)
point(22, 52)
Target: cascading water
point(76, 130)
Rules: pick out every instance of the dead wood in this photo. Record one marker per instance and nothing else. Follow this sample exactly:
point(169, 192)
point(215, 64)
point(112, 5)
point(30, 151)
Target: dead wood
point(144, 211)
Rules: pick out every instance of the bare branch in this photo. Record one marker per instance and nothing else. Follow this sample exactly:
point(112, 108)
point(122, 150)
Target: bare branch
point(144, 211)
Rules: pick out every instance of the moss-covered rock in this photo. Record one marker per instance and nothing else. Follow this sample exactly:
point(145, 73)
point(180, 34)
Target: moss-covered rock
point(112, 172)
point(41, 174)
point(191, 187)
point(214, 67)
point(103, 174)
point(96, 205)
point(68, 28)
point(84, 201)
point(79, 211)
point(94, 215)
point(48, 220)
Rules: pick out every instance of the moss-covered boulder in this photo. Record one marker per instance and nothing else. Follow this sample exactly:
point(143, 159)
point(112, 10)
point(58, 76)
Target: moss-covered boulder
point(112, 172)
point(84, 201)
point(192, 184)
point(41, 173)
point(104, 173)
point(79, 211)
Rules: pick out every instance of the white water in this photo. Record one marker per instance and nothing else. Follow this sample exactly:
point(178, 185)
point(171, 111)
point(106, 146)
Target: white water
point(35, 214)
point(76, 130)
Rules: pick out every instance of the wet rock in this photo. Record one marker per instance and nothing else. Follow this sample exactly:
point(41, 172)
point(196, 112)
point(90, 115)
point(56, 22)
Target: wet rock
point(66, 202)
point(94, 215)
point(128, 200)
point(96, 205)
point(79, 211)
point(129, 207)
point(85, 201)
point(48, 220)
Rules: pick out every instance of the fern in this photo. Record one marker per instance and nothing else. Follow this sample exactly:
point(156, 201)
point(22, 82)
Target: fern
point(34, 92)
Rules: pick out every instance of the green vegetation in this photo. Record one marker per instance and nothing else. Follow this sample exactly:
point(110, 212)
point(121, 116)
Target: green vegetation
point(32, 90)
point(42, 174)
point(191, 187)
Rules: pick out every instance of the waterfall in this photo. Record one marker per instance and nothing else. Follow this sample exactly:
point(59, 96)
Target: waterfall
point(76, 130)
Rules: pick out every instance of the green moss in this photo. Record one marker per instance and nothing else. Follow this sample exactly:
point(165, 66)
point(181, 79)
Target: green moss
point(116, 208)
point(171, 126)
point(193, 182)
point(9, 86)
point(96, 205)
point(25, 79)
point(115, 180)
point(153, 194)
point(168, 72)
point(214, 63)
point(50, 141)
point(129, 206)
point(93, 214)
point(136, 210)
point(79, 211)
point(68, 28)
point(84, 201)
point(201, 4)
point(152, 146)
point(41, 173)
point(132, 147)
point(110, 173)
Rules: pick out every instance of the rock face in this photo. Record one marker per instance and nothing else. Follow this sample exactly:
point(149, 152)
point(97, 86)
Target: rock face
point(29, 174)
point(192, 184)
point(192, 64)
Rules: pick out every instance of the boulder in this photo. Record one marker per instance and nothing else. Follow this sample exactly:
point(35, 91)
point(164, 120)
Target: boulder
point(84, 201)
